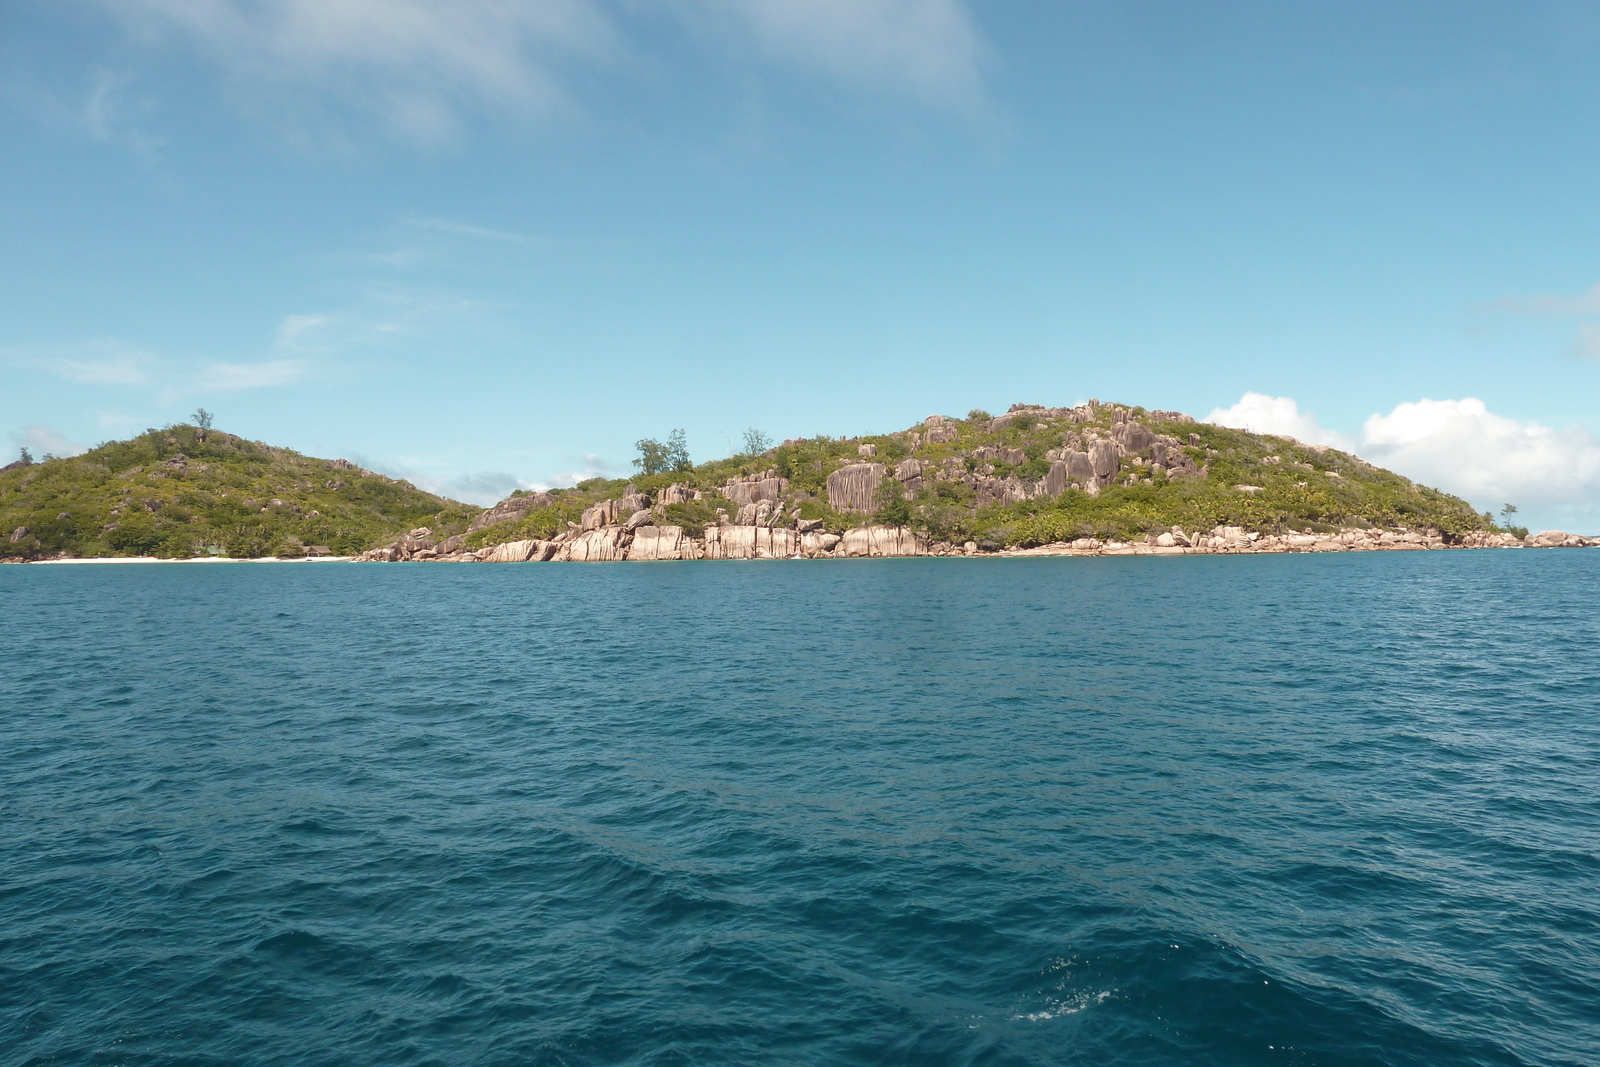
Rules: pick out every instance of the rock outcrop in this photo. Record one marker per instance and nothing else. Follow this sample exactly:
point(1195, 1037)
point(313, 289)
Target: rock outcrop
point(661, 543)
point(511, 552)
point(855, 488)
point(605, 545)
point(750, 542)
point(513, 507)
point(768, 487)
point(881, 541)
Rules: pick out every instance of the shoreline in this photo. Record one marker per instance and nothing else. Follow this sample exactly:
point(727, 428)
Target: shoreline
point(1272, 546)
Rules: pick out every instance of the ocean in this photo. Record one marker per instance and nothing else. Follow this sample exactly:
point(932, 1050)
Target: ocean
point(1338, 809)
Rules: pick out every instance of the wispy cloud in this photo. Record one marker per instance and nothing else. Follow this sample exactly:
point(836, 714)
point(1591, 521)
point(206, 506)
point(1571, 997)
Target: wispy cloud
point(484, 487)
point(462, 229)
point(929, 48)
point(42, 440)
point(294, 328)
point(231, 377)
point(1587, 303)
point(1563, 305)
point(417, 64)
point(112, 114)
point(590, 466)
point(425, 67)
point(122, 368)
point(1587, 346)
point(107, 362)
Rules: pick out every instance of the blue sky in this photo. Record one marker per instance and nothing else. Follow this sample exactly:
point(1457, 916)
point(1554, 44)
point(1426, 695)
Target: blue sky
point(485, 243)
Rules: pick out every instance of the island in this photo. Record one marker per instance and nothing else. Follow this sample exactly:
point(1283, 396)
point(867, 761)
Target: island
point(1091, 479)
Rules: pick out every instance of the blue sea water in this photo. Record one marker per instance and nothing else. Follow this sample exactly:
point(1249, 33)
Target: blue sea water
point(1249, 810)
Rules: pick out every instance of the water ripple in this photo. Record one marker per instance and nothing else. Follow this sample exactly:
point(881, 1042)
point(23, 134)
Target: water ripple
point(1255, 810)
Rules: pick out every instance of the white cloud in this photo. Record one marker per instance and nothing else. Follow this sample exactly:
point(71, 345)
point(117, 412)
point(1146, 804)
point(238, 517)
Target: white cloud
point(41, 440)
point(1462, 447)
point(931, 48)
point(1260, 413)
point(1459, 446)
point(266, 374)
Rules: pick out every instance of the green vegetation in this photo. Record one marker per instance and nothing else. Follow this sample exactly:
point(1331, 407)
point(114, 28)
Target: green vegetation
point(188, 491)
point(658, 458)
point(540, 524)
point(1292, 486)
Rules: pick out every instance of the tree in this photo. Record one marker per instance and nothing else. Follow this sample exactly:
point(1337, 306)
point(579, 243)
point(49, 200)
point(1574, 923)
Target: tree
point(978, 415)
point(1506, 513)
point(202, 419)
point(893, 507)
point(658, 458)
point(26, 459)
point(756, 442)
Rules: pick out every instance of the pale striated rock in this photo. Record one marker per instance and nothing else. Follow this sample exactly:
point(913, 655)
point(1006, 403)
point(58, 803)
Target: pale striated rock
point(1104, 460)
point(661, 543)
point(880, 541)
point(750, 490)
point(814, 543)
point(908, 469)
point(1055, 483)
point(676, 494)
point(510, 552)
point(1166, 540)
point(867, 450)
point(606, 544)
point(751, 542)
point(855, 488)
point(514, 507)
point(941, 434)
point(639, 518)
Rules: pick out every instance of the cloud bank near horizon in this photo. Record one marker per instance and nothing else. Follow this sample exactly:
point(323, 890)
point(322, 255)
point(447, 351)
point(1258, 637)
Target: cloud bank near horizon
point(1460, 446)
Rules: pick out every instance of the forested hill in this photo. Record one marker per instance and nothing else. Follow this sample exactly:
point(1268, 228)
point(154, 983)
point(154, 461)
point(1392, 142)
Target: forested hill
point(184, 491)
point(1031, 476)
